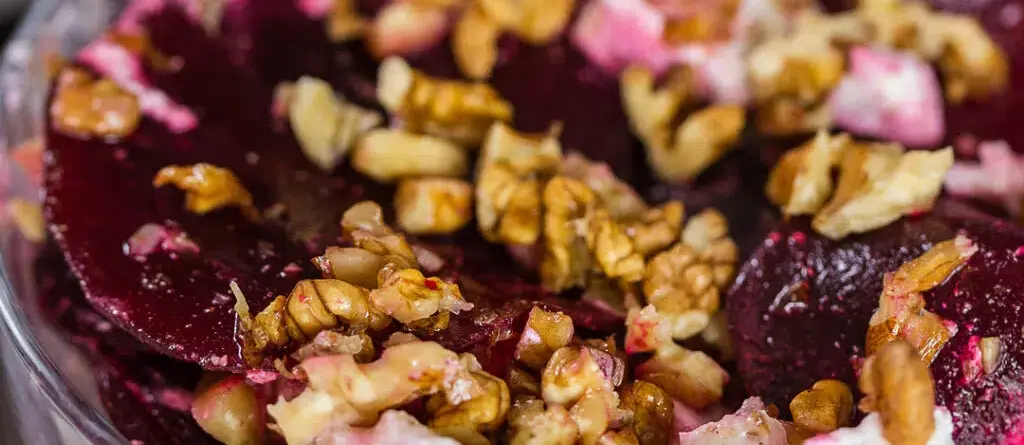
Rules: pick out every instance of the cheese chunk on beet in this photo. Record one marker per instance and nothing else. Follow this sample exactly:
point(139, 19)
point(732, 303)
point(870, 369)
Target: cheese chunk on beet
point(801, 303)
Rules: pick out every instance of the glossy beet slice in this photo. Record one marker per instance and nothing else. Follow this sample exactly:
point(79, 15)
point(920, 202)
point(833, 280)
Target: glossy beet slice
point(800, 308)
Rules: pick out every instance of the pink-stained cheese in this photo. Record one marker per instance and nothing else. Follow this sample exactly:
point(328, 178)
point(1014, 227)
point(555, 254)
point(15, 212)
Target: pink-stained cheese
point(890, 95)
point(996, 177)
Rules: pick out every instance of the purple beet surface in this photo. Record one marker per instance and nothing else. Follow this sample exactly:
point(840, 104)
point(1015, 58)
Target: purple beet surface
point(801, 304)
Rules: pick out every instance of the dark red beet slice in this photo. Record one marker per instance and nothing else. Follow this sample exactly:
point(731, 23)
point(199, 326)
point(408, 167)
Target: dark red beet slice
point(800, 308)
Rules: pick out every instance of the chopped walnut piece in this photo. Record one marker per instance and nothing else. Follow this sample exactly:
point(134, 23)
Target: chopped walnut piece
point(530, 423)
point(786, 116)
point(522, 382)
point(508, 193)
point(340, 390)
point(707, 234)
point(691, 377)
point(803, 67)
point(897, 385)
point(406, 27)
point(325, 125)
point(344, 22)
point(623, 437)
point(824, 407)
point(651, 410)
point(657, 228)
point(28, 219)
point(905, 184)
point(228, 410)
point(646, 330)
point(422, 303)
point(566, 261)
point(545, 332)
point(618, 197)
point(475, 42)
point(901, 313)
point(363, 224)
point(573, 371)
point(651, 110)
point(458, 111)
point(386, 155)
point(312, 306)
point(682, 288)
point(801, 181)
point(700, 141)
point(973, 65)
point(508, 207)
point(481, 404)
point(84, 106)
point(524, 153)
point(613, 249)
point(594, 413)
point(208, 187)
point(360, 346)
point(351, 265)
point(433, 205)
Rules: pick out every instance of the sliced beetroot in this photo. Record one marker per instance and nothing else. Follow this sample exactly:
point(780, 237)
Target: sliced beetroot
point(801, 304)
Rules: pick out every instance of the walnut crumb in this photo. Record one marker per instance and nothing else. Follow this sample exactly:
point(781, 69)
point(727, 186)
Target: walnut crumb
point(88, 107)
point(207, 188)
point(433, 205)
point(897, 385)
point(824, 407)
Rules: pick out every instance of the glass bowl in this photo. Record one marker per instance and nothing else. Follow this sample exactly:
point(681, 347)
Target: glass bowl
point(49, 385)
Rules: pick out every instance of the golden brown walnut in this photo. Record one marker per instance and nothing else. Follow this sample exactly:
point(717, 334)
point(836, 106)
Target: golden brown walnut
point(700, 141)
point(897, 385)
point(691, 377)
point(341, 390)
point(325, 125)
point(651, 110)
point(786, 116)
point(973, 65)
point(406, 27)
point(801, 182)
point(544, 333)
point(612, 248)
point(312, 306)
point(682, 289)
point(541, 21)
point(86, 107)
point(344, 22)
point(618, 197)
point(824, 407)
point(207, 188)
point(571, 372)
point(802, 67)
point(524, 153)
point(568, 203)
point(363, 224)
point(651, 409)
point(433, 205)
point(594, 413)
point(458, 111)
point(901, 313)
point(387, 155)
point(895, 185)
point(530, 423)
point(360, 346)
point(417, 301)
point(521, 382)
point(508, 207)
point(475, 42)
point(707, 234)
point(657, 228)
point(508, 188)
point(229, 411)
point(28, 219)
point(484, 402)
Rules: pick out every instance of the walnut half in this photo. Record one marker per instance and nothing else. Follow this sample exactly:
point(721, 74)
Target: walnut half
point(898, 386)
